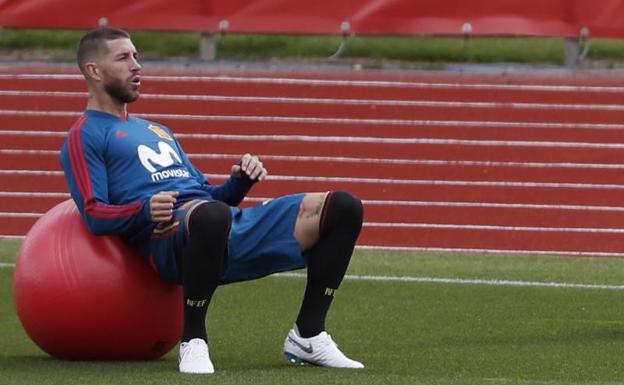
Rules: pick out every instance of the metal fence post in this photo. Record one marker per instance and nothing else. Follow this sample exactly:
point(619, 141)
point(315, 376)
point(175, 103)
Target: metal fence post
point(207, 46)
point(572, 53)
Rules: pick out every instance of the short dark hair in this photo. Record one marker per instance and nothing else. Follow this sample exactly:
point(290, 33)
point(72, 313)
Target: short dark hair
point(93, 43)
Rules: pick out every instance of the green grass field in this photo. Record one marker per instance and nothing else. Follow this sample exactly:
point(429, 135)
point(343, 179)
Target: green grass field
point(405, 332)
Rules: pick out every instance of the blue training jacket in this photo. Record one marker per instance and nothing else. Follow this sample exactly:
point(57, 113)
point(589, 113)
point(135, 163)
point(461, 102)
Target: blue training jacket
point(114, 166)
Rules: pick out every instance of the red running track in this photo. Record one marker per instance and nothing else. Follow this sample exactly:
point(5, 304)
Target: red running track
point(501, 163)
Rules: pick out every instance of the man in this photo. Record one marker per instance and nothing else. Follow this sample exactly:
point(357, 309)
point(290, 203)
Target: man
point(130, 177)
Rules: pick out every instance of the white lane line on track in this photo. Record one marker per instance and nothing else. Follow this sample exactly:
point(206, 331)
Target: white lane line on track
point(361, 139)
point(32, 172)
point(4, 214)
point(392, 122)
point(451, 226)
point(419, 182)
point(342, 121)
point(12, 151)
point(29, 194)
point(558, 253)
point(369, 202)
point(12, 237)
point(445, 204)
point(409, 162)
point(33, 133)
point(343, 159)
point(584, 230)
point(344, 83)
point(424, 141)
point(341, 102)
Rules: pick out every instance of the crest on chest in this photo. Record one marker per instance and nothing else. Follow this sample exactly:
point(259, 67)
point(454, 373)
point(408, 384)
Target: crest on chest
point(160, 132)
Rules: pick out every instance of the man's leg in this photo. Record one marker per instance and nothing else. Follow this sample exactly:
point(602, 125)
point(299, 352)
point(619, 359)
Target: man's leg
point(339, 222)
point(327, 228)
point(208, 227)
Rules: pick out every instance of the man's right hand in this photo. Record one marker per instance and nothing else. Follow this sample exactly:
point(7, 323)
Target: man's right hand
point(161, 205)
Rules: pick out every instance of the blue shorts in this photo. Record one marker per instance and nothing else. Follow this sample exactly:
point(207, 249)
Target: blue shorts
point(261, 242)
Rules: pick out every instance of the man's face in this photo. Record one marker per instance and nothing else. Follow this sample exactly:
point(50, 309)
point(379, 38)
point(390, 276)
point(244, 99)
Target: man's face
point(121, 71)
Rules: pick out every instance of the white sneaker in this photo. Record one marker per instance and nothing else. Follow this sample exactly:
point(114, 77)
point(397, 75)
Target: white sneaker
point(194, 357)
point(318, 350)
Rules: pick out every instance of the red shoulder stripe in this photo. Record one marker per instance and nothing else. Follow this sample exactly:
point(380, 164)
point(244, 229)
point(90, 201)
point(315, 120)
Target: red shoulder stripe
point(80, 169)
point(75, 145)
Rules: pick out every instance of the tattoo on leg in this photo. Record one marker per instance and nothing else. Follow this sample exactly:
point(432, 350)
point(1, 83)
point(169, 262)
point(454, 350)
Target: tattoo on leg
point(317, 210)
point(301, 211)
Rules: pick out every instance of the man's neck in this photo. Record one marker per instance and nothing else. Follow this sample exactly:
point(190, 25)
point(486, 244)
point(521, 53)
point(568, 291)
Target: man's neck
point(108, 105)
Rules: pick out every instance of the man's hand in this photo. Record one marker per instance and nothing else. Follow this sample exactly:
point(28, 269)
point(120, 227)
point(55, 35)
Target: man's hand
point(251, 166)
point(161, 205)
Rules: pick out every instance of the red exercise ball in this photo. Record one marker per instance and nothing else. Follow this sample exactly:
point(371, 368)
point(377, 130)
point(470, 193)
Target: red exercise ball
point(81, 296)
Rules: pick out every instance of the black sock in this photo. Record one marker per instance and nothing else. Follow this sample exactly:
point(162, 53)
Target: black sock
point(340, 225)
point(202, 264)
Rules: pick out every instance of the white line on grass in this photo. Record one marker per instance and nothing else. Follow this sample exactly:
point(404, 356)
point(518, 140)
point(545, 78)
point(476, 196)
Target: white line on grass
point(460, 281)
point(568, 253)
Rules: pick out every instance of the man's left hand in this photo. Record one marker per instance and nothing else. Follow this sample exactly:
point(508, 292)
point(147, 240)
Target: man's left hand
point(251, 166)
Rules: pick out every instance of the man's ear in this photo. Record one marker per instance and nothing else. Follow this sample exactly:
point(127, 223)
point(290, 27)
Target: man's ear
point(93, 72)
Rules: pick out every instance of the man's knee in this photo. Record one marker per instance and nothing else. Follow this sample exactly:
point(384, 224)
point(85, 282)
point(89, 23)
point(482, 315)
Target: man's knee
point(343, 208)
point(348, 204)
point(211, 218)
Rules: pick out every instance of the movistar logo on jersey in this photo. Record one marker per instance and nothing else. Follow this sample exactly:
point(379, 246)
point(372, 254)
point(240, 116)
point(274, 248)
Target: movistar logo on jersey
point(166, 156)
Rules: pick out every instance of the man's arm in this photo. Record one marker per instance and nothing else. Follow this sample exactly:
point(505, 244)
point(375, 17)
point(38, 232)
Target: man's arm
point(83, 161)
point(242, 177)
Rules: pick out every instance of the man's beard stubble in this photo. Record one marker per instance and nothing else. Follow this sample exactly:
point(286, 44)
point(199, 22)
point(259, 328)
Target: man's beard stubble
point(119, 91)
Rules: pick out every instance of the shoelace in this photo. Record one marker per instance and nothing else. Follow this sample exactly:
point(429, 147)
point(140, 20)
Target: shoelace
point(195, 351)
point(329, 341)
